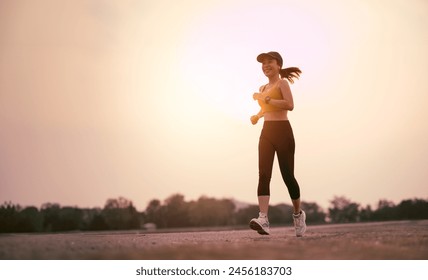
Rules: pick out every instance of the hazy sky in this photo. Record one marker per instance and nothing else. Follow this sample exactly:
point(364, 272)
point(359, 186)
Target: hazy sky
point(144, 99)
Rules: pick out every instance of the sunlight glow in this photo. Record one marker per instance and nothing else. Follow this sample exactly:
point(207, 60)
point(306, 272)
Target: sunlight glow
point(144, 99)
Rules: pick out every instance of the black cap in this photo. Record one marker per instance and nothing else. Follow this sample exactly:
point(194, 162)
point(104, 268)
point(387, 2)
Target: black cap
point(273, 55)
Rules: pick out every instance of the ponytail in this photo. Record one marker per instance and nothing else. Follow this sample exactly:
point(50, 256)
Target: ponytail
point(290, 73)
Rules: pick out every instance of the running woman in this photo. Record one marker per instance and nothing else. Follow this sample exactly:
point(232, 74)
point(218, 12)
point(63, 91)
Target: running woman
point(275, 100)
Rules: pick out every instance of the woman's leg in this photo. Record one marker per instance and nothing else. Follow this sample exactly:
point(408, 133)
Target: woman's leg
point(285, 152)
point(266, 157)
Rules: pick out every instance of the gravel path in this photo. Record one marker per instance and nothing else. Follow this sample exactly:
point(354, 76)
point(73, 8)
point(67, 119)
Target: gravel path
point(385, 240)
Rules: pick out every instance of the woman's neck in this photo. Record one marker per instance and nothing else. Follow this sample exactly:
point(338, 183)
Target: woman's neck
point(273, 80)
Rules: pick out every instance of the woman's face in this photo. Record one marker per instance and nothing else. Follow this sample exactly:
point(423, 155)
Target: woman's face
point(270, 67)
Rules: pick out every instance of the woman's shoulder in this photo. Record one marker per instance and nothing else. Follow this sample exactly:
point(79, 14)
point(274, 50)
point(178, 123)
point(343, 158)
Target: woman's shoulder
point(283, 82)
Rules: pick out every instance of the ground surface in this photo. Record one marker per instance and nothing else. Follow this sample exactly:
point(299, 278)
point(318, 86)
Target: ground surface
point(385, 240)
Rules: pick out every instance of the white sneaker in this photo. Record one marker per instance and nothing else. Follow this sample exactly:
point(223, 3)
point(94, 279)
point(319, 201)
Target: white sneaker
point(299, 223)
point(261, 224)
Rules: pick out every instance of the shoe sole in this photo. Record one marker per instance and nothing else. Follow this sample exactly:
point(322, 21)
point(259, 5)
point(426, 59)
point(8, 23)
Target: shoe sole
point(258, 228)
point(300, 235)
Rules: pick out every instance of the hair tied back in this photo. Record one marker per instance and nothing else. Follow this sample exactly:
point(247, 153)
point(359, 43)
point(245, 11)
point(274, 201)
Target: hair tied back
point(290, 73)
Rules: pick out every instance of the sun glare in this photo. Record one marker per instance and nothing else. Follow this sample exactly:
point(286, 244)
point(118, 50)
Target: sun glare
point(216, 81)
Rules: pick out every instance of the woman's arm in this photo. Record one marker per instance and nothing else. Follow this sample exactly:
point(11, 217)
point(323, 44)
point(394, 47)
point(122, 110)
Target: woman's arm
point(258, 96)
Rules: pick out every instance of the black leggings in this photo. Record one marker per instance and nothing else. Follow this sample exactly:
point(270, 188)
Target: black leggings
point(277, 136)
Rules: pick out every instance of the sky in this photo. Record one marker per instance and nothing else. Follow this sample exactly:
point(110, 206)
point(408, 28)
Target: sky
point(146, 99)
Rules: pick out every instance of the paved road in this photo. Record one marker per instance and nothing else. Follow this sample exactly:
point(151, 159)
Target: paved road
point(386, 240)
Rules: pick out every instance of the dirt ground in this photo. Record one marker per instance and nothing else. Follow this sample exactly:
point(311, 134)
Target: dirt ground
point(361, 241)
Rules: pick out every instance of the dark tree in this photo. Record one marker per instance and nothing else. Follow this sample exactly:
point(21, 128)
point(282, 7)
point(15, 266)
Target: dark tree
point(8, 216)
point(29, 220)
point(314, 213)
point(120, 214)
point(343, 210)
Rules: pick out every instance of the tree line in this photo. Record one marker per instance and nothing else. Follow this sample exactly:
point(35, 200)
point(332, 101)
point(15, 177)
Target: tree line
point(176, 212)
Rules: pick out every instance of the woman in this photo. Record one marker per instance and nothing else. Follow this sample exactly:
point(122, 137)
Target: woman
point(275, 100)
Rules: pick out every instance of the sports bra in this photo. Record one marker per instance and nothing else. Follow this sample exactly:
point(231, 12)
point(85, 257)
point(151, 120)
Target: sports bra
point(274, 93)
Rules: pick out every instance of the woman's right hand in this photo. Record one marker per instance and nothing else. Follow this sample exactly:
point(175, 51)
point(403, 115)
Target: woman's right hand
point(254, 119)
